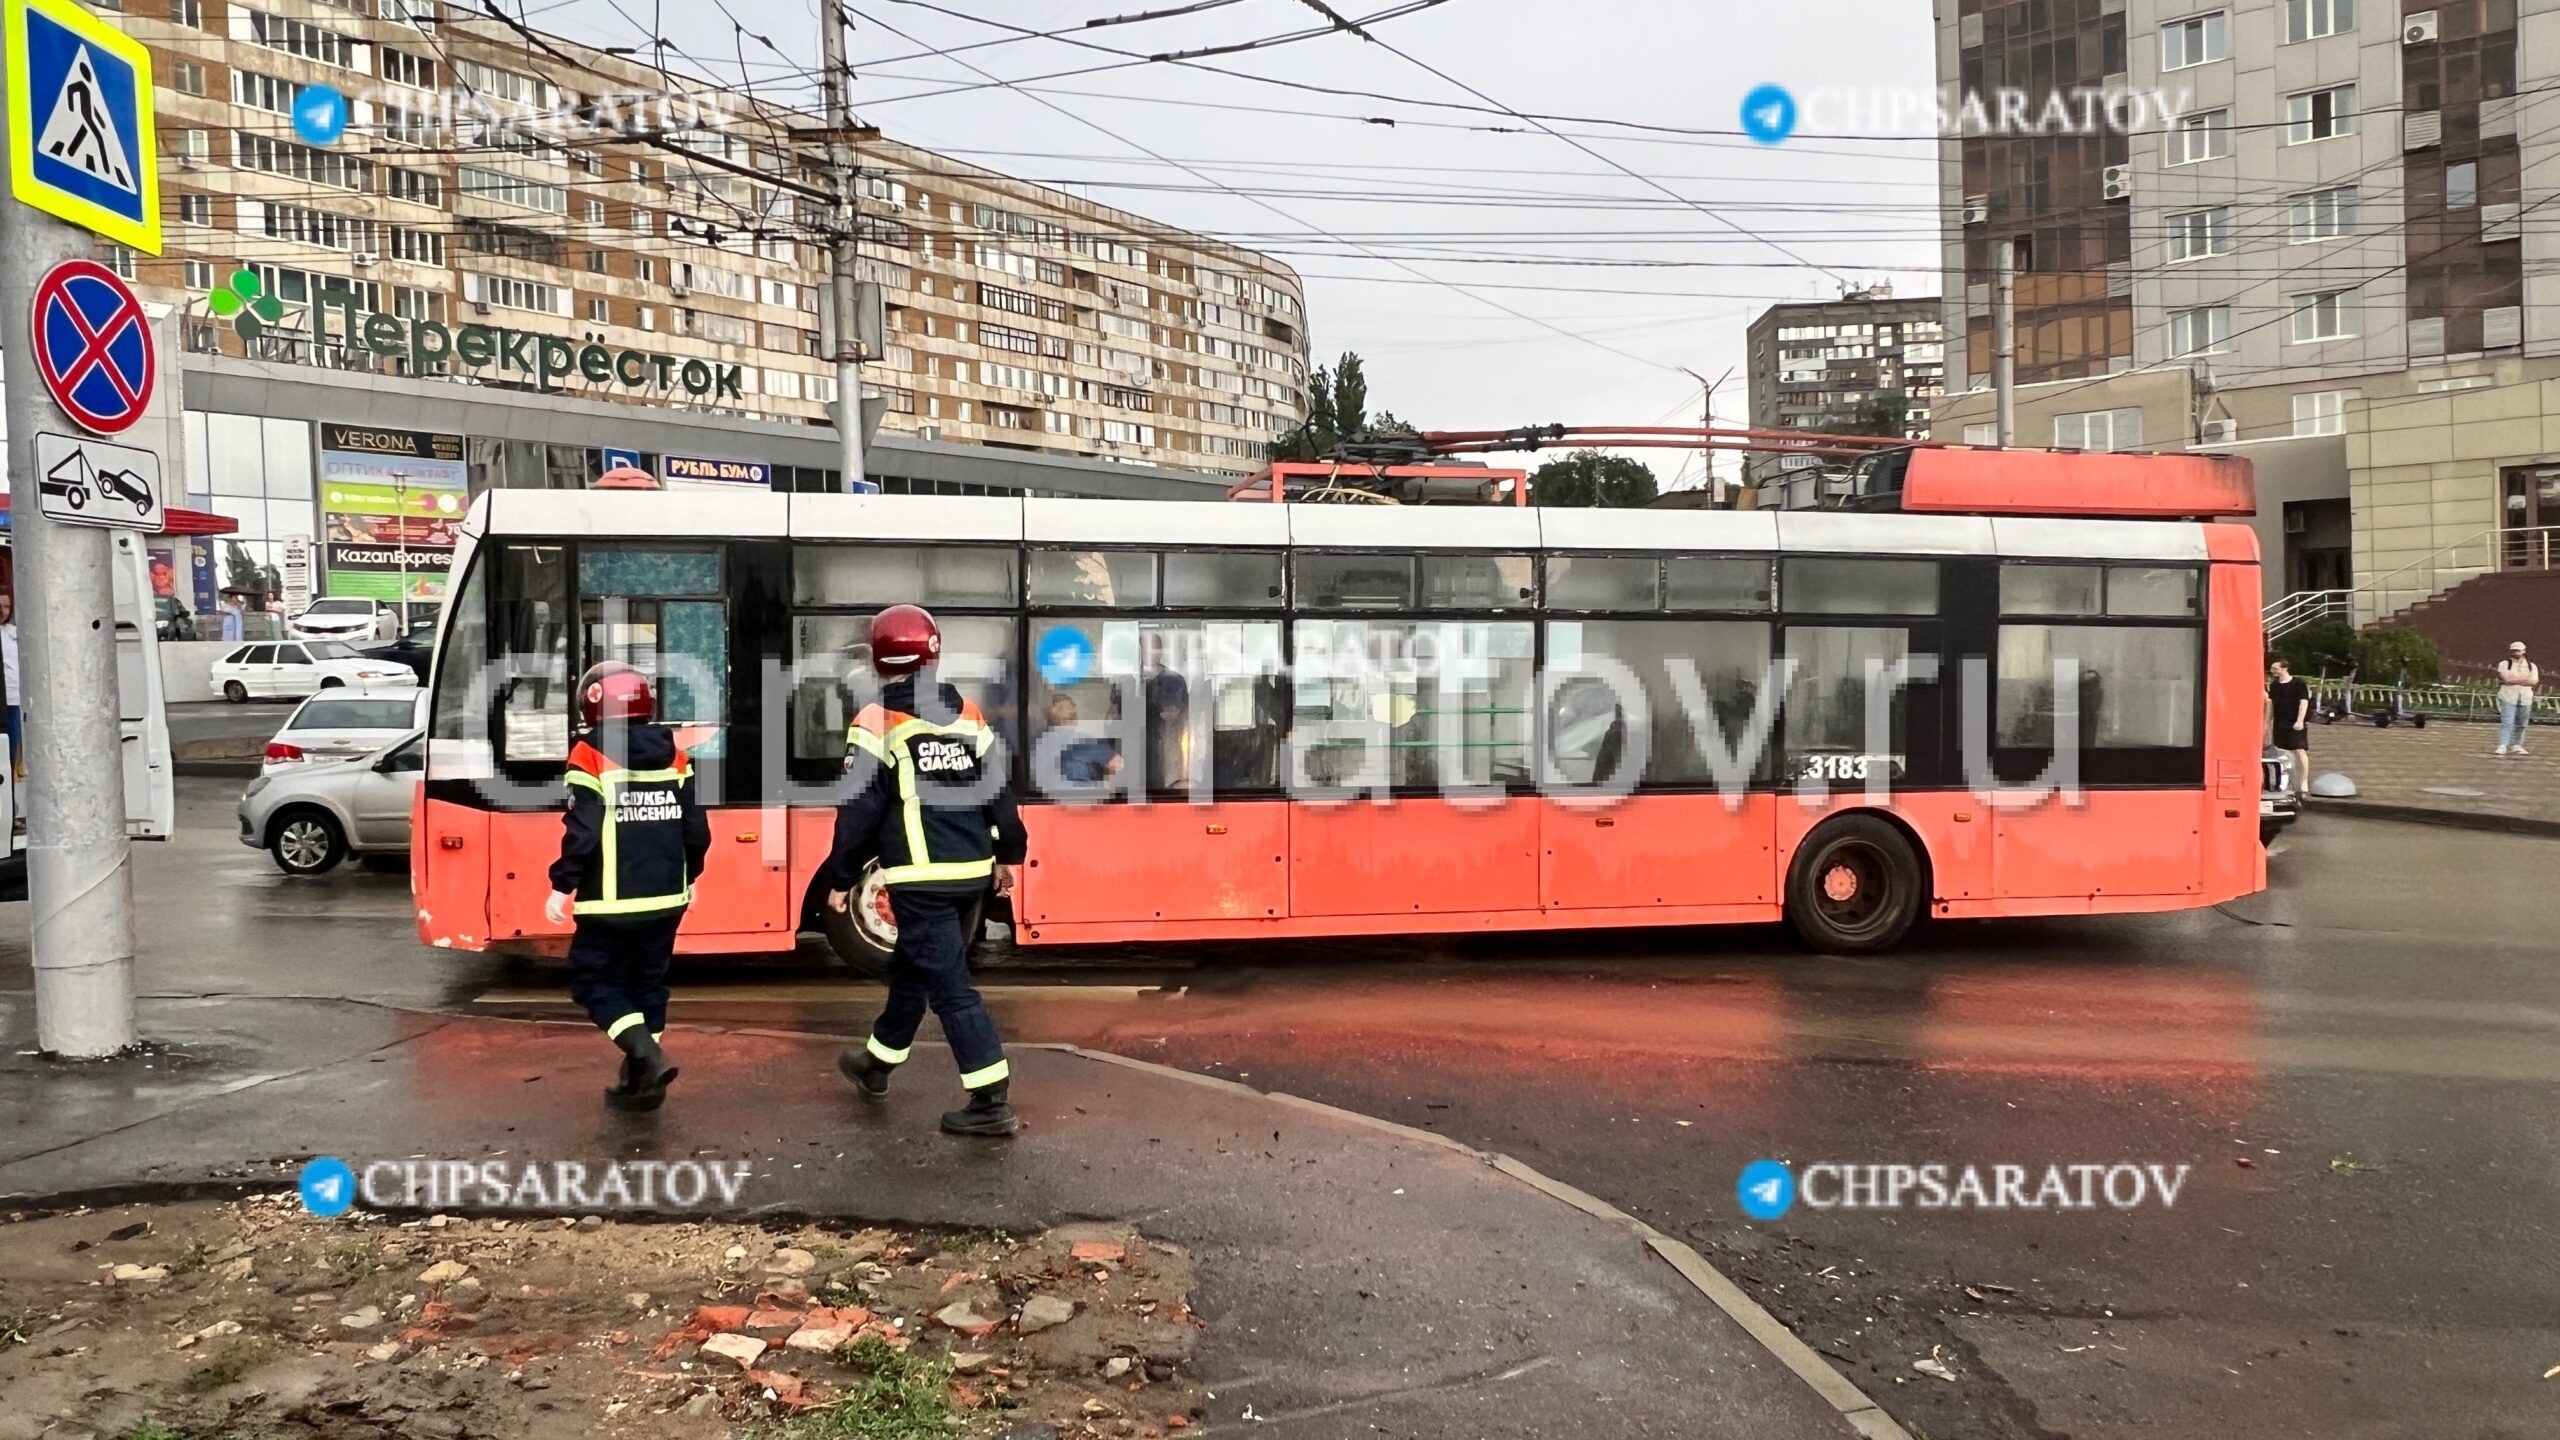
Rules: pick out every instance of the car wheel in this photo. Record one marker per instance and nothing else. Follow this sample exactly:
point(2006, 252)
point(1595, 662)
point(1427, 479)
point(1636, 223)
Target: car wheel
point(1855, 888)
point(306, 842)
point(235, 692)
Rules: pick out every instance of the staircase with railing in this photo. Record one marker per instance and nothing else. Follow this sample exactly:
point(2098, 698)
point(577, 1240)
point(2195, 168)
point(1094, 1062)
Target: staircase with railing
point(2471, 597)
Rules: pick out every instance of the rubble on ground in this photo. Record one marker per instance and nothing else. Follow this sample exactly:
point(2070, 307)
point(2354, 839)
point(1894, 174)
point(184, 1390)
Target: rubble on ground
point(223, 1319)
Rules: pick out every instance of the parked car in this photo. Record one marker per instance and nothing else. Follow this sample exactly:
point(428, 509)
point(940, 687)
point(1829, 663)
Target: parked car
point(361, 621)
point(294, 669)
point(2278, 805)
point(175, 621)
point(342, 724)
point(410, 650)
point(310, 817)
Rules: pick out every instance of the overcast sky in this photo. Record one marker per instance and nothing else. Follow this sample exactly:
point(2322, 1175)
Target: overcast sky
point(1521, 211)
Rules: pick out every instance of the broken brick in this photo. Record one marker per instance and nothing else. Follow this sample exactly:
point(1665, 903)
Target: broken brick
point(1104, 1250)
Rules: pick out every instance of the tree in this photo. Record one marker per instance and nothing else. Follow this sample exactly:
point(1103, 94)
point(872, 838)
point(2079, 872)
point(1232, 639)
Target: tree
point(1883, 414)
point(1337, 410)
point(1592, 478)
point(241, 571)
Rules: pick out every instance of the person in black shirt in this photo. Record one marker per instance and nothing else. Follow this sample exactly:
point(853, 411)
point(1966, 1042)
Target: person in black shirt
point(2289, 721)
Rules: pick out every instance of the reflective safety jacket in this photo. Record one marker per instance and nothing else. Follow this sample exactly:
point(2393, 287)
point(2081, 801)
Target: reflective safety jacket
point(927, 794)
point(635, 838)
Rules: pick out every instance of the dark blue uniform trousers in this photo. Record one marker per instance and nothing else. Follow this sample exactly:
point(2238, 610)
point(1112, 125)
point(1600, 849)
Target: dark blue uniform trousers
point(618, 968)
point(931, 970)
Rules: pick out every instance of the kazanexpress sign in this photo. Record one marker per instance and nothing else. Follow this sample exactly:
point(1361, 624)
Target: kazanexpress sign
point(551, 360)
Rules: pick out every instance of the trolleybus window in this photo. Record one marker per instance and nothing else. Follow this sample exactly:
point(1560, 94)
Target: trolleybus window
point(1690, 583)
point(1836, 666)
point(1413, 703)
point(1355, 582)
point(660, 611)
point(1478, 582)
point(933, 576)
point(1588, 723)
point(2139, 685)
point(1104, 578)
point(1597, 582)
point(2053, 589)
point(2146, 590)
point(1222, 579)
point(532, 624)
point(1862, 587)
point(1171, 704)
point(836, 679)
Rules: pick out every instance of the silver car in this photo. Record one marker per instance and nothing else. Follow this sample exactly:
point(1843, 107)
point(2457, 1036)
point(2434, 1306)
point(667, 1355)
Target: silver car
point(313, 815)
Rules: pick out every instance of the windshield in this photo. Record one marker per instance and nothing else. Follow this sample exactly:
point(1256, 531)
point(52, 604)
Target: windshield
point(335, 650)
point(356, 715)
point(338, 609)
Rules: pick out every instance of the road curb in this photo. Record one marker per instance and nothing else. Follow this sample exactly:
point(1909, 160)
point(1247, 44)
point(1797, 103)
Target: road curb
point(2430, 815)
point(1836, 1390)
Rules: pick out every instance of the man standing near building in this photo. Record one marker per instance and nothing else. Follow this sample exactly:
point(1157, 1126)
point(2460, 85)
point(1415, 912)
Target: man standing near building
point(9, 682)
point(2518, 678)
point(631, 846)
point(2289, 722)
point(928, 798)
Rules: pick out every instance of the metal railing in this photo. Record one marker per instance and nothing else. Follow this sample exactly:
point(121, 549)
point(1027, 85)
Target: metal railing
point(2300, 608)
point(2444, 701)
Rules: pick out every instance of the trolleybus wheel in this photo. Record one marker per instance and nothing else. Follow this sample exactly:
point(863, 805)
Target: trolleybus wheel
point(1855, 888)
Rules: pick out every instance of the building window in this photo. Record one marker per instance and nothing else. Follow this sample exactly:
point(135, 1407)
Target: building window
point(187, 78)
point(2201, 331)
point(2320, 114)
point(515, 190)
point(2311, 19)
point(189, 13)
point(2462, 185)
point(2194, 234)
point(416, 186)
point(402, 68)
point(294, 37)
point(195, 209)
point(1984, 433)
point(2098, 430)
point(2205, 135)
point(418, 247)
point(2321, 412)
point(2324, 214)
point(2322, 317)
point(2199, 40)
point(600, 310)
point(199, 275)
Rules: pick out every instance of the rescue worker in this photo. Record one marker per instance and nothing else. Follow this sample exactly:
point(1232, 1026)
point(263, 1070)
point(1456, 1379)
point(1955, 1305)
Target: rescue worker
point(928, 797)
point(631, 847)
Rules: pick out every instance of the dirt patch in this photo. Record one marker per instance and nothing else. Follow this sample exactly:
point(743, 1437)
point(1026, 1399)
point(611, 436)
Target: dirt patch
point(251, 1320)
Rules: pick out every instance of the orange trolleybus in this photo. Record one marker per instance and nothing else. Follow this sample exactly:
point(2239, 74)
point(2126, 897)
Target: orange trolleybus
point(1239, 720)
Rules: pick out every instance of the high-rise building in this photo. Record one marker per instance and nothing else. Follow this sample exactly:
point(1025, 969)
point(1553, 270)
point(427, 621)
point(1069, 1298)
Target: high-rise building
point(2315, 241)
point(536, 187)
point(1866, 363)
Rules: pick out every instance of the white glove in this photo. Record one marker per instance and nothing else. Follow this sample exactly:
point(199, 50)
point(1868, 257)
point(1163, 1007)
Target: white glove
point(556, 909)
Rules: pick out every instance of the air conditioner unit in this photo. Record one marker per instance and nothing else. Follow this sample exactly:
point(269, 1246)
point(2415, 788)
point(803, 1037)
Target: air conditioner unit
point(2217, 432)
point(479, 307)
point(1977, 209)
point(2418, 29)
point(678, 290)
point(190, 162)
point(364, 260)
point(2115, 182)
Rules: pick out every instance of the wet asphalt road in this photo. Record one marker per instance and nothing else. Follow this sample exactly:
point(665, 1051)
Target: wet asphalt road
point(2360, 1068)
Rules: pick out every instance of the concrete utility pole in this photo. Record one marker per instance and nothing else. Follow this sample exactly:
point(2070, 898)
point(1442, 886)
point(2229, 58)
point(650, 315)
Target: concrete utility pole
point(2004, 343)
point(79, 880)
point(841, 168)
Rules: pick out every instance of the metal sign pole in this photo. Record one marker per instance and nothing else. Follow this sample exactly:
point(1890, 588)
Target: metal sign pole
point(79, 877)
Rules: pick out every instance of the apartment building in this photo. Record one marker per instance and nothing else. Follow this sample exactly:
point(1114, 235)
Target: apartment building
point(660, 241)
point(2332, 241)
point(1857, 364)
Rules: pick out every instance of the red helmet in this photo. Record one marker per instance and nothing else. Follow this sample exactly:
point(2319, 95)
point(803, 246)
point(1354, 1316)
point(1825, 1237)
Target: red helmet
point(611, 690)
point(903, 640)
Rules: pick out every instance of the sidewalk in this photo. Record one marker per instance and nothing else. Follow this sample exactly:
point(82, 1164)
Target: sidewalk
point(1355, 1277)
point(2444, 774)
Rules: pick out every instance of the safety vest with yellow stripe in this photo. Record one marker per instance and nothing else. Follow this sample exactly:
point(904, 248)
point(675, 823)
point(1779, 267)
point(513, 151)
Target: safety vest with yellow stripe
point(932, 803)
point(635, 835)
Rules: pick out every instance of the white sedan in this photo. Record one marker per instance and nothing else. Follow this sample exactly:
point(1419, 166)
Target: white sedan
point(361, 621)
point(342, 724)
point(294, 668)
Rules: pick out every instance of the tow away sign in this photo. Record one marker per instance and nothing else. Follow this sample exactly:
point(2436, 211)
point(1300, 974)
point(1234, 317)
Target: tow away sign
point(81, 481)
point(81, 142)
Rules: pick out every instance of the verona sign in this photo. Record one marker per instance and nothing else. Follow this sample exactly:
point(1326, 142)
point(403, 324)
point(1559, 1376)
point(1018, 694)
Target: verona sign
point(552, 361)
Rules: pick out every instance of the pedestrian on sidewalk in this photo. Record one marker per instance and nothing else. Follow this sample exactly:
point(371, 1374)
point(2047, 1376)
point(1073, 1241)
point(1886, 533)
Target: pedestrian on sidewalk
point(631, 847)
point(927, 797)
point(2517, 679)
point(2289, 722)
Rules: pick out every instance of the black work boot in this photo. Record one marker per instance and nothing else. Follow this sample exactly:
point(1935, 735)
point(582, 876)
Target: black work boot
point(985, 1114)
point(645, 1072)
point(868, 1072)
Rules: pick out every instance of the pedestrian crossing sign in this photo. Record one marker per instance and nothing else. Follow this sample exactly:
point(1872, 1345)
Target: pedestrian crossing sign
point(81, 145)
